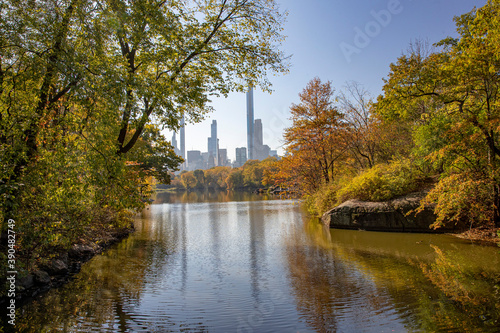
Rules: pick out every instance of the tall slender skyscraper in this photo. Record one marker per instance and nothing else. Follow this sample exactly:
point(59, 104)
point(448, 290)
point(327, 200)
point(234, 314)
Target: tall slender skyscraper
point(174, 143)
point(183, 139)
point(213, 145)
point(250, 123)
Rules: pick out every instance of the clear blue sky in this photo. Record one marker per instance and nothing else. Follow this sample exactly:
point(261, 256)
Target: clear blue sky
point(321, 37)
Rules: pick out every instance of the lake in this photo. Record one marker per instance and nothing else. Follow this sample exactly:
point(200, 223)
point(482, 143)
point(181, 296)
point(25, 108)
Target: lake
point(222, 262)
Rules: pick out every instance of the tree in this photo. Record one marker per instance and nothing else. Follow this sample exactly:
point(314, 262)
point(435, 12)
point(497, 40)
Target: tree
point(154, 156)
point(215, 178)
point(188, 180)
point(252, 173)
point(235, 179)
point(173, 55)
point(86, 87)
point(199, 175)
point(314, 140)
point(453, 94)
point(154, 59)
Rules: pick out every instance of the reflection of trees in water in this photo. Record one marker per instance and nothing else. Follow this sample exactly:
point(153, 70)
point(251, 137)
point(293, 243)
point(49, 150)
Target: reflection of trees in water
point(313, 288)
point(448, 292)
point(331, 294)
point(100, 292)
point(109, 287)
point(472, 297)
point(208, 196)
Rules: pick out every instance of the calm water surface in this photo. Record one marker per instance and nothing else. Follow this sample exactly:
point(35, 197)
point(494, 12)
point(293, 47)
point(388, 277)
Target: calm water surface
point(238, 263)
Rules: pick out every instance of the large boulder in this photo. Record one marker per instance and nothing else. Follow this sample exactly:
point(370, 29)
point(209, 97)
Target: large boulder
point(81, 251)
point(394, 215)
point(41, 277)
point(26, 282)
point(57, 267)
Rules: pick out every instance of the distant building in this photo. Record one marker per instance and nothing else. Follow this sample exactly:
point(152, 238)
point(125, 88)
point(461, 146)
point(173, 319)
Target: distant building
point(250, 123)
point(261, 151)
point(241, 157)
point(213, 146)
point(194, 160)
point(255, 144)
point(174, 144)
point(257, 135)
point(273, 153)
point(204, 160)
point(223, 157)
point(183, 143)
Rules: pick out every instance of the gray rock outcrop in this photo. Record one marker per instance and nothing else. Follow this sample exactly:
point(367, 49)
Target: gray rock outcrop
point(393, 215)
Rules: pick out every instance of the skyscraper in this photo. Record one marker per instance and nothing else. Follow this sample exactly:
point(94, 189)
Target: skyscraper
point(174, 144)
point(213, 146)
point(223, 157)
point(241, 156)
point(258, 137)
point(194, 160)
point(183, 143)
point(260, 150)
point(250, 123)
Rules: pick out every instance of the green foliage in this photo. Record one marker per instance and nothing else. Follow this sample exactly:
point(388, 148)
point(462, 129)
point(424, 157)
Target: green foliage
point(86, 88)
point(382, 182)
point(235, 180)
point(252, 173)
point(153, 155)
point(379, 183)
point(188, 180)
point(461, 199)
point(322, 200)
point(450, 96)
point(200, 178)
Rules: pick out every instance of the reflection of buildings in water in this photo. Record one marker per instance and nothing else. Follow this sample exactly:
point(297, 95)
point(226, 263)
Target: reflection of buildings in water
point(184, 259)
point(214, 221)
point(257, 247)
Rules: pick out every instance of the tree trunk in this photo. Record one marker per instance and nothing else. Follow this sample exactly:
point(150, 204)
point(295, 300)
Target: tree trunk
point(496, 207)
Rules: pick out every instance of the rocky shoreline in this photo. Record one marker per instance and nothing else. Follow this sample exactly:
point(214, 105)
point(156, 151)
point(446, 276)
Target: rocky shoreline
point(394, 215)
point(63, 267)
point(398, 215)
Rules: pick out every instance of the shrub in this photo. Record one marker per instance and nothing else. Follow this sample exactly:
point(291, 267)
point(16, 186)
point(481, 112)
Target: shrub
point(382, 182)
point(322, 200)
point(461, 199)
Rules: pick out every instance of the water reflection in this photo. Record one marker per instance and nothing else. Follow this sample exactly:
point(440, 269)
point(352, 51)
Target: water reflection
point(260, 266)
point(209, 196)
point(433, 282)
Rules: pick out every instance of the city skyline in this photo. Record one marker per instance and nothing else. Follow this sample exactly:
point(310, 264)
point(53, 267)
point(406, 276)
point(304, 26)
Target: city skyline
point(254, 149)
point(317, 50)
point(216, 156)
